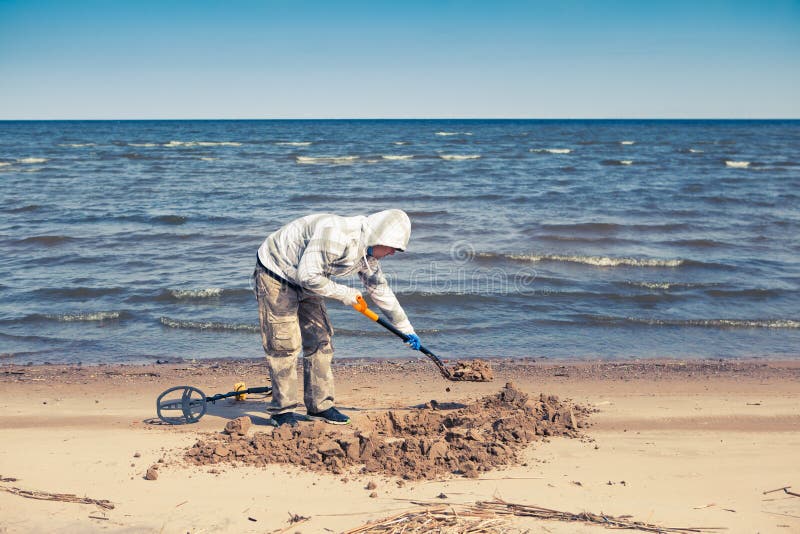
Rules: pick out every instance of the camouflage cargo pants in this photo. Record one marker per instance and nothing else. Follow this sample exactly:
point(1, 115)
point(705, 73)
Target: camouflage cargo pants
point(292, 319)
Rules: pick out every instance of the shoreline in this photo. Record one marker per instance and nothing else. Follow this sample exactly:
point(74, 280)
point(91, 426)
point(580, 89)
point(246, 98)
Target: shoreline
point(669, 442)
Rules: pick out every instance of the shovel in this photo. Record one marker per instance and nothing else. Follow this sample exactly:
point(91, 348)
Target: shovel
point(361, 306)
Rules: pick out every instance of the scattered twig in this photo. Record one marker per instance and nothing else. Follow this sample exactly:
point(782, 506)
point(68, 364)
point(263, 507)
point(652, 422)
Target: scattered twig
point(63, 497)
point(487, 517)
point(98, 517)
point(503, 507)
point(785, 489)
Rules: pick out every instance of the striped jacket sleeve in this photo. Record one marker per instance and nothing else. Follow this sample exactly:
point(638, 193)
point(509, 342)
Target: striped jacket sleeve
point(326, 247)
point(382, 295)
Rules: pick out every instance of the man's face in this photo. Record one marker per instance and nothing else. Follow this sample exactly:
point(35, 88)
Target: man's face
point(381, 251)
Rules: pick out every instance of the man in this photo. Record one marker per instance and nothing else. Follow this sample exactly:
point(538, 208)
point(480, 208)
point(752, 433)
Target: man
point(292, 277)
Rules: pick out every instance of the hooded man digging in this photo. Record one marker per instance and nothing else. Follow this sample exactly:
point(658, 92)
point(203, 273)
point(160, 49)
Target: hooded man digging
point(292, 277)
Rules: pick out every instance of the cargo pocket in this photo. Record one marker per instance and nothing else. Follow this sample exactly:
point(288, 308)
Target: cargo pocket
point(284, 335)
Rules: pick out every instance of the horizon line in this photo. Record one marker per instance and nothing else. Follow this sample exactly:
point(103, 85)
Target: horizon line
point(417, 119)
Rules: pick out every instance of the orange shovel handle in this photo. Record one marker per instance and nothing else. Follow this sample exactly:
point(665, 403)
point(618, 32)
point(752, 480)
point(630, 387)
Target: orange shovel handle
point(361, 306)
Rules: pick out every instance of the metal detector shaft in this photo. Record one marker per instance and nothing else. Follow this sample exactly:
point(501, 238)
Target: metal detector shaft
point(361, 306)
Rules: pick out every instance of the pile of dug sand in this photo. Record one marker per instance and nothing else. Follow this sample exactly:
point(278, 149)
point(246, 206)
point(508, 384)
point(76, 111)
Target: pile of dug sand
point(473, 371)
point(421, 443)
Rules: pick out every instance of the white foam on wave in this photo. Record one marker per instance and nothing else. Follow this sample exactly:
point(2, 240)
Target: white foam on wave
point(208, 292)
point(208, 325)
point(31, 160)
point(326, 160)
point(738, 164)
point(4, 164)
point(293, 143)
point(627, 142)
point(458, 157)
point(77, 145)
point(172, 144)
point(626, 162)
point(447, 134)
point(598, 261)
point(209, 159)
point(400, 143)
point(146, 145)
point(390, 157)
point(721, 323)
point(552, 150)
point(653, 285)
point(93, 316)
point(696, 151)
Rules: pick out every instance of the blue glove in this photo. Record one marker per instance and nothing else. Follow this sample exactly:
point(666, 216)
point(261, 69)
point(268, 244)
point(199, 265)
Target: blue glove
point(412, 340)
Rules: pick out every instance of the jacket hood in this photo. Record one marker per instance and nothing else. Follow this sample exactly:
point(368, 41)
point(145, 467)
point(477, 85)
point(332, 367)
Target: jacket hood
point(391, 228)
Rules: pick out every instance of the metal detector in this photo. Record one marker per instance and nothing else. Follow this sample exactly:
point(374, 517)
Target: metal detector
point(183, 405)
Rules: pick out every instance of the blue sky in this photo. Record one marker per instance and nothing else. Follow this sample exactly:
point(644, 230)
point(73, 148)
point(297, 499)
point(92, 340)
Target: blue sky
point(402, 59)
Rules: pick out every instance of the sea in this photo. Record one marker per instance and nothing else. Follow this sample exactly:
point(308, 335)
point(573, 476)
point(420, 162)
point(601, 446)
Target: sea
point(135, 241)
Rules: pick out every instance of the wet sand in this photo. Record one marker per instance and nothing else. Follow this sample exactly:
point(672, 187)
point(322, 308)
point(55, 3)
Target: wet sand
point(678, 444)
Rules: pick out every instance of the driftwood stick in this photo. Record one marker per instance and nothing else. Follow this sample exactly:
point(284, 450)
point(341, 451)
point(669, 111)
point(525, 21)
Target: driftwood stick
point(773, 491)
point(63, 497)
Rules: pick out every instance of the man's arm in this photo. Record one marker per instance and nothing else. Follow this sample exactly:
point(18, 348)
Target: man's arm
point(382, 295)
point(326, 246)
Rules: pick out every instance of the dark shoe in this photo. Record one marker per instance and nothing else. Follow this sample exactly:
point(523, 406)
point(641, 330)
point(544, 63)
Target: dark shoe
point(332, 416)
point(289, 418)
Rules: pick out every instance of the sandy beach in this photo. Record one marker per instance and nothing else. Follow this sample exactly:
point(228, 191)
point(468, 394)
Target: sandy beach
point(669, 443)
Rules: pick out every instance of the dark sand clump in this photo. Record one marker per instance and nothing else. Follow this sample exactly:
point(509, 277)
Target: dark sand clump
point(473, 371)
point(421, 443)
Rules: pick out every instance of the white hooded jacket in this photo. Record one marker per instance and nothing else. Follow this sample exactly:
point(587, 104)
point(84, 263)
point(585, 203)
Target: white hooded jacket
point(310, 250)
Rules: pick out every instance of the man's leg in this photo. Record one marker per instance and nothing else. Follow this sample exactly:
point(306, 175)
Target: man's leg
point(280, 337)
point(316, 331)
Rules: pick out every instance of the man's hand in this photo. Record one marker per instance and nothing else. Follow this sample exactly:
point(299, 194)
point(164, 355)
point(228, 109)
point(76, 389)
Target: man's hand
point(351, 297)
point(413, 341)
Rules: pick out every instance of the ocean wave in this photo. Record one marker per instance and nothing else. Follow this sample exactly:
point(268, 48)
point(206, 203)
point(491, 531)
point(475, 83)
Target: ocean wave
point(751, 292)
point(597, 261)
point(737, 164)
point(209, 325)
point(32, 160)
point(143, 145)
point(400, 143)
point(58, 293)
point(719, 323)
point(169, 219)
point(663, 285)
point(173, 144)
point(606, 227)
point(4, 164)
point(46, 240)
point(80, 317)
point(458, 157)
point(448, 134)
point(390, 157)
point(208, 292)
point(209, 159)
point(616, 162)
point(696, 151)
point(326, 160)
point(77, 145)
point(422, 213)
point(627, 142)
point(27, 207)
point(293, 143)
point(552, 150)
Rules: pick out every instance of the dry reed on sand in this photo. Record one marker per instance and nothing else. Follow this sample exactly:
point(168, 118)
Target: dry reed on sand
point(487, 517)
